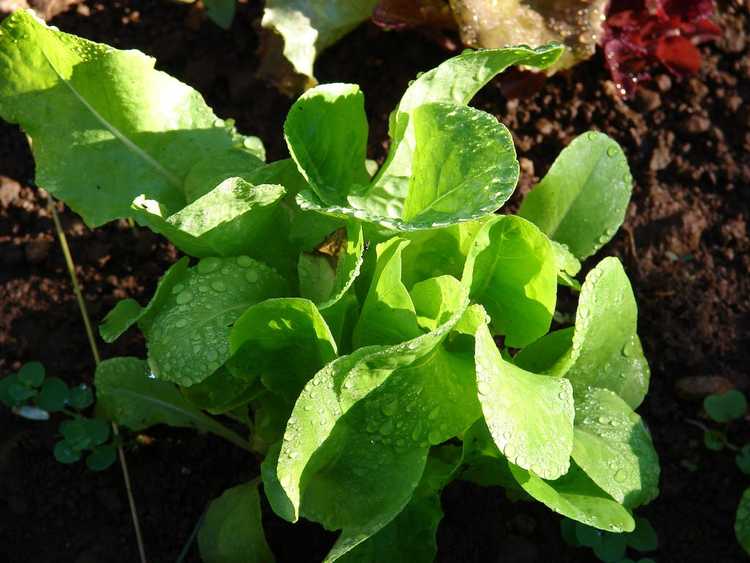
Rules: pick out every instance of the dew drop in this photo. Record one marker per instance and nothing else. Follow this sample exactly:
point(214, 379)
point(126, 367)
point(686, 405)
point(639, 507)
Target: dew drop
point(251, 276)
point(620, 475)
point(244, 261)
point(208, 265)
point(218, 285)
point(184, 297)
point(387, 428)
point(611, 151)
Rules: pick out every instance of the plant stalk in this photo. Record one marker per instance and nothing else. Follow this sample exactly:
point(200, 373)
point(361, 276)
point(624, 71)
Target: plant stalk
point(97, 359)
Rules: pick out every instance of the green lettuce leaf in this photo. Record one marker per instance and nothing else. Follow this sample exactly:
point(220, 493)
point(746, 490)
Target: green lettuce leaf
point(221, 392)
point(387, 315)
point(512, 269)
point(530, 416)
point(582, 200)
point(232, 530)
point(464, 167)
point(87, 106)
point(410, 536)
point(370, 418)
point(613, 446)
point(606, 350)
point(327, 273)
point(188, 321)
point(232, 219)
point(326, 132)
point(309, 26)
point(577, 497)
point(284, 342)
point(127, 394)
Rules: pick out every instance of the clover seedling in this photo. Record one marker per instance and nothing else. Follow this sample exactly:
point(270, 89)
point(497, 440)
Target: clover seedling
point(33, 395)
point(349, 316)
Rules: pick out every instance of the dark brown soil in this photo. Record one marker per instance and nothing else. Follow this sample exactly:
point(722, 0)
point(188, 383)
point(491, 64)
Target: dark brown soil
point(685, 245)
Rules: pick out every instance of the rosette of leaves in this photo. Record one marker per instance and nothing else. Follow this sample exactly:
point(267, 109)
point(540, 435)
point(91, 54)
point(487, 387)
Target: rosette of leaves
point(363, 353)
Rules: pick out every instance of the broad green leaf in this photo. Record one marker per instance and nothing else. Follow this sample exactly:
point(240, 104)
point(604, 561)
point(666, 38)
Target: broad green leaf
point(275, 493)
point(284, 341)
point(341, 318)
point(361, 428)
point(455, 81)
point(549, 354)
point(567, 265)
point(188, 332)
point(208, 173)
point(309, 26)
point(270, 414)
point(435, 299)
point(644, 537)
point(463, 167)
point(410, 536)
point(581, 202)
point(387, 315)
point(128, 395)
point(234, 218)
point(328, 272)
point(221, 12)
point(742, 521)
point(577, 497)
point(89, 107)
point(724, 407)
point(530, 416)
point(437, 252)
point(326, 132)
point(606, 350)
point(232, 530)
point(221, 392)
point(128, 312)
point(613, 446)
point(513, 273)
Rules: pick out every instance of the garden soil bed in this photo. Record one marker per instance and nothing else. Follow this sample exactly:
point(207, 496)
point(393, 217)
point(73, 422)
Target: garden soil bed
point(685, 246)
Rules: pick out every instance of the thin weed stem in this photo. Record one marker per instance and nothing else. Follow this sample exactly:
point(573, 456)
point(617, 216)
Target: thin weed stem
point(97, 359)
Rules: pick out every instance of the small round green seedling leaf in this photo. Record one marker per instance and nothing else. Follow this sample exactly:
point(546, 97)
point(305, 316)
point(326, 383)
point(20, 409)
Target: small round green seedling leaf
point(97, 430)
point(81, 397)
point(31, 374)
point(53, 395)
point(18, 392)
point(102, 457)
point(77, 434)
point(742, 521)
point(726, 407)
point(714, 440)
point(743, 459)
point(644, 537)
point(64, 453)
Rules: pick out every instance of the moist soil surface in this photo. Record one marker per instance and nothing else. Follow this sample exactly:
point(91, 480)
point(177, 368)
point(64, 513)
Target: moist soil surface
point(684, 244)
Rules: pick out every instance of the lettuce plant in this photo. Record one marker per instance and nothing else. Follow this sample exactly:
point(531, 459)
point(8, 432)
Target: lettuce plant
point(380, 331)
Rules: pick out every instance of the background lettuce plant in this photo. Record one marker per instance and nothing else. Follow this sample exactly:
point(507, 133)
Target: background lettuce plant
point(351, 317)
